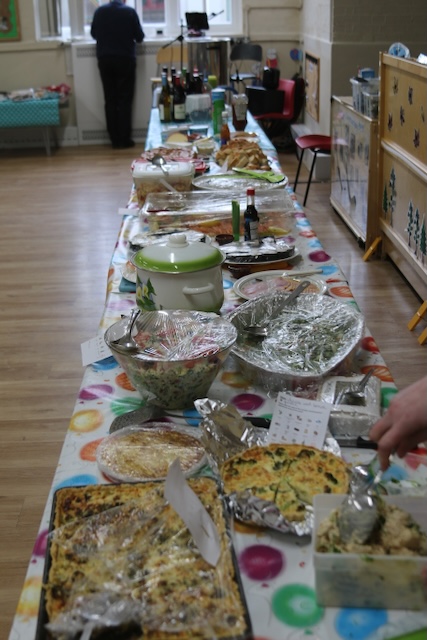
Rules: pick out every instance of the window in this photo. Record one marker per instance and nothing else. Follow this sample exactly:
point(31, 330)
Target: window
point(153, 12)
point(72, 18)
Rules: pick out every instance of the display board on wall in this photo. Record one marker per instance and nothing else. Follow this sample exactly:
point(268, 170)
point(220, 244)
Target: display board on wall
point(9, 21)
point(312, 79)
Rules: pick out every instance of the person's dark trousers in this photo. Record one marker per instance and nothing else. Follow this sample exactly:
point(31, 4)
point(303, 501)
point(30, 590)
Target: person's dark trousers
point(118, 81)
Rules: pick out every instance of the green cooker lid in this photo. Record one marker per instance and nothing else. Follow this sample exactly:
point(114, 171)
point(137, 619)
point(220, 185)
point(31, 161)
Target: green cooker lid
point(178, 256)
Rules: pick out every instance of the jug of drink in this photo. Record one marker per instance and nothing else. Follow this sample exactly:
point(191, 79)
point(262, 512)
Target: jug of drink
point(240, 108)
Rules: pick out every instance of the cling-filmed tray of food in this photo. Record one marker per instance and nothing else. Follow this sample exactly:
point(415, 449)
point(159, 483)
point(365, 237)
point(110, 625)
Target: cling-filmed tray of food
point(122, 563)
point(197, 203)
point(211, 212)
point(305, 342)
point(267, 250)
point(141, 453)
point(263, 282)
point(236, 183)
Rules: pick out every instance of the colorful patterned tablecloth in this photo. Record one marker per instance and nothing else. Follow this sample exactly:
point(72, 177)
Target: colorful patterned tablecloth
point(277, 570)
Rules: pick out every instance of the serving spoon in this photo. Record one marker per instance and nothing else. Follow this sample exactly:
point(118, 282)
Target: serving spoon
point(355, 393)
point(127, 342)
point(159, 161)
point(357, 516)
point(261, 330)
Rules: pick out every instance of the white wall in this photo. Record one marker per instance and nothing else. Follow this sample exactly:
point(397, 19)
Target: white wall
point(89, 98)
point(346, 35)
point(275, 24)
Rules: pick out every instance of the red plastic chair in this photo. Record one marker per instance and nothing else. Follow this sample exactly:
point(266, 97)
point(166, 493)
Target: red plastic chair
point(317, 144)
point(273, 122)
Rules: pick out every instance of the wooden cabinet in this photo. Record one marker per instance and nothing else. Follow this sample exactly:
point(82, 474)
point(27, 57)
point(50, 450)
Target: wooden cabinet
point(354, 169)
point(402, 184)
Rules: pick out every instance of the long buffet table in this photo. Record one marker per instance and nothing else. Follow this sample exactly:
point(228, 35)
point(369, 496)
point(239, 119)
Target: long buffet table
point(276, 569)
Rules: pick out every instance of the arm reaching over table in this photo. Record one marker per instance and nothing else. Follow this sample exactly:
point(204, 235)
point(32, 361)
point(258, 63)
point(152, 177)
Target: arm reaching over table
point(404, 425)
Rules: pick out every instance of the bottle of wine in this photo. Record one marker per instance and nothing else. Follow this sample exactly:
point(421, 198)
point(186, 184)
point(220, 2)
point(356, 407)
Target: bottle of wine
point(196, 82)
point(184, 79)
point(251, 219)
point(165, 101)
point(172, 87)
point(178, 101)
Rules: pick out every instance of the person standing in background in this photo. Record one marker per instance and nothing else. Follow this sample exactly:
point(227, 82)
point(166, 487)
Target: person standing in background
point(116, 29)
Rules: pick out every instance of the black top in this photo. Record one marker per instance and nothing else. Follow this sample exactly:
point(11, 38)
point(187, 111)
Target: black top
point(116, 28)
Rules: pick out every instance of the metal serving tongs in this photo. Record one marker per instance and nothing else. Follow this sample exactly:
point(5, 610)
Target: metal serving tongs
point(358, 516)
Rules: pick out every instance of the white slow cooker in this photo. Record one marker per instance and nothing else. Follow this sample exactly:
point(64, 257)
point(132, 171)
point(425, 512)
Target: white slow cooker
point(179, 275)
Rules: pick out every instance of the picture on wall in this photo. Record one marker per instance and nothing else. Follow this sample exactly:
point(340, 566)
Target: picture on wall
point(312, 78)
point(9, 20)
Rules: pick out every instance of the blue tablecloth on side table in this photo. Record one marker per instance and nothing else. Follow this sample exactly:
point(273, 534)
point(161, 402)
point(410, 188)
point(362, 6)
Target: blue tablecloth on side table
point(29, 113)
point(37, 112)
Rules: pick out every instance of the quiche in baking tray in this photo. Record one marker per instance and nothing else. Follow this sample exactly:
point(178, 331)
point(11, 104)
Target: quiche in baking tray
point(123, 548)
point(288, 475)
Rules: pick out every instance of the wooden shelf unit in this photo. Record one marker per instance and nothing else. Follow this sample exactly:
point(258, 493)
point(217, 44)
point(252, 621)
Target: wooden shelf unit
point(402, 167)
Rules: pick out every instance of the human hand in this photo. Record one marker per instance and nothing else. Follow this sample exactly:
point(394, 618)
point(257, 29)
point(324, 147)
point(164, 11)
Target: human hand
point(404, 425)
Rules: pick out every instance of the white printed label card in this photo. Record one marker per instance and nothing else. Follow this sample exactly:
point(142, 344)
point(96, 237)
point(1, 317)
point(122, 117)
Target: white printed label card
point(94, 350)
point(188, 505)
point(299, 421)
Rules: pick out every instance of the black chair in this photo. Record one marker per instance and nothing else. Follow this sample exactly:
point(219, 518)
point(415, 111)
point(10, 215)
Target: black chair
point(240, 55)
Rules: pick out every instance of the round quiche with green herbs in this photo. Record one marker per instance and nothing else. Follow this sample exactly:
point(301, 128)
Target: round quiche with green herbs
point(288, 475)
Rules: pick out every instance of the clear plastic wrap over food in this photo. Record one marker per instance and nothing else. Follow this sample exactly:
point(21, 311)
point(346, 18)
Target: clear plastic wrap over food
point(181, 335)
point(142, 453)
point(179, 354)
point(307, 341)
point(211, 212)
point(128, 565)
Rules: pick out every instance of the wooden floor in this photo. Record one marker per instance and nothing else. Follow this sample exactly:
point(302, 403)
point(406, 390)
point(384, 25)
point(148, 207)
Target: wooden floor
point(59, 223)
